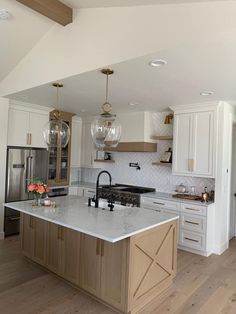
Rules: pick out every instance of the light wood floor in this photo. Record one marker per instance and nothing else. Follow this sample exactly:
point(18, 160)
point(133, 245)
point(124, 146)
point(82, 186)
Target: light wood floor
point(203, 285)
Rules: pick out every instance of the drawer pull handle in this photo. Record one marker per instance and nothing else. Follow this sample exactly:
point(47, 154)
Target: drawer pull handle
point(194, 209)
point(189, 239)
point(191, 222)
point(159, 203)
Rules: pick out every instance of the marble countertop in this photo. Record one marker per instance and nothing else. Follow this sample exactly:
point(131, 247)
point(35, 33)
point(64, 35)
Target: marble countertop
point(72, 212)
point(169, 197)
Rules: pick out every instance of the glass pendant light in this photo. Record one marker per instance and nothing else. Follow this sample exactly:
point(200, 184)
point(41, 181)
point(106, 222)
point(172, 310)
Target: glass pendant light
point(105, 130)
point(56, 132)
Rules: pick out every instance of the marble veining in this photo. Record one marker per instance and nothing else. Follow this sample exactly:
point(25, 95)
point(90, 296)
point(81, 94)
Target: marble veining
point(72, 212)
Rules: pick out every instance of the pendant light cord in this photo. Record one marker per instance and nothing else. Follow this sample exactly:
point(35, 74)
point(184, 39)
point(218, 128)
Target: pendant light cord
point(107, 88)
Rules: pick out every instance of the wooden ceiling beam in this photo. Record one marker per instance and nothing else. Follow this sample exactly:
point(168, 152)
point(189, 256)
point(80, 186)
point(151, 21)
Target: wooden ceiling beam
point(53, 9)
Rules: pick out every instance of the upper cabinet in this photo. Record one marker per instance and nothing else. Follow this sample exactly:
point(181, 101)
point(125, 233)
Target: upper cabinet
point(76, 138)
point(59, 158)
point(194, 140)
point(88, 149)
point(25, 127)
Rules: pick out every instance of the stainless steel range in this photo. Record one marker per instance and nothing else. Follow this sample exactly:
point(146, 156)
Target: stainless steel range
point(123, 194)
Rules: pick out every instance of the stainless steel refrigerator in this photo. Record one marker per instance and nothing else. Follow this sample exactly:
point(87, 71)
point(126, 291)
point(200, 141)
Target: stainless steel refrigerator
point(23, 164)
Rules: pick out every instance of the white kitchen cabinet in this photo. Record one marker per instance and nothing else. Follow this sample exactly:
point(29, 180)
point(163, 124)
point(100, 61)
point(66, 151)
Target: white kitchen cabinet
point(196, 223)
point(76, 138)
point(88, 150)
point(18, 127)
point(25, 128)
point(37, 123)
point(194, 142)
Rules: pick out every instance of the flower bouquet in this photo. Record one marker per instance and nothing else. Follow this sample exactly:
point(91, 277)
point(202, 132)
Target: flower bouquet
point(37, 188)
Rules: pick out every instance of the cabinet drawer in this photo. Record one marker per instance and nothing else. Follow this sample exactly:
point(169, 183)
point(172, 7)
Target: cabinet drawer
point(194, 209)
point(193, 222)
point(159, 203)
point(192, 240)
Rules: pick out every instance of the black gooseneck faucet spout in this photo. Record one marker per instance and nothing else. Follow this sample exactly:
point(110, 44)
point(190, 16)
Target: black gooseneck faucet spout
point(97, 187)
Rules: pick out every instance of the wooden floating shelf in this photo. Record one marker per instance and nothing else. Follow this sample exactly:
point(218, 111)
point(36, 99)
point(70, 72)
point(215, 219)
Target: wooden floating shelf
point(162, 138)
point(158, 163)
point(104, 160)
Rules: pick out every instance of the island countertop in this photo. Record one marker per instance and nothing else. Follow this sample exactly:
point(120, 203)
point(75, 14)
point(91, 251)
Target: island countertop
point(73, 213)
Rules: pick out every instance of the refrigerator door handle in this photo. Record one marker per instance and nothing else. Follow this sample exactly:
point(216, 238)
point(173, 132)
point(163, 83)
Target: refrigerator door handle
point(27, 173)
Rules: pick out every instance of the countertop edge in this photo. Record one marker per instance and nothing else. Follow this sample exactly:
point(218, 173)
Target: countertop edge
point(91, 233)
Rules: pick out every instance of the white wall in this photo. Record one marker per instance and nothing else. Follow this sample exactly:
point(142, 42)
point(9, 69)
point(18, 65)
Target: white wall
point(223, 177)
point(3, 146)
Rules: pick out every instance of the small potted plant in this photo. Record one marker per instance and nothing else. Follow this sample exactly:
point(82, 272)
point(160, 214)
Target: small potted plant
point(37, 188)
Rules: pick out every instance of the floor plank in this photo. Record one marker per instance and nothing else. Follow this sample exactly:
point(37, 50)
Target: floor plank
point(202, 285)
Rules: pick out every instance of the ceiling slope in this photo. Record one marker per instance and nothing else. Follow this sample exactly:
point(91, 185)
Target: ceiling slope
point(19, 34)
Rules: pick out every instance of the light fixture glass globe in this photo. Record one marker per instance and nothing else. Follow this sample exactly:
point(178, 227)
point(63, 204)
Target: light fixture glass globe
point(106, 132)
point(56, 133)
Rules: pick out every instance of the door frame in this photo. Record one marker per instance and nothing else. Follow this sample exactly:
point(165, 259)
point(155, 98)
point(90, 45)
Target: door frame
point(232, 214)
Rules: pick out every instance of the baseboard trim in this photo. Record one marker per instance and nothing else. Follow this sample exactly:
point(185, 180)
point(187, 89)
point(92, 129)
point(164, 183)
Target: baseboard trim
point(219, 249)
point(2, 235)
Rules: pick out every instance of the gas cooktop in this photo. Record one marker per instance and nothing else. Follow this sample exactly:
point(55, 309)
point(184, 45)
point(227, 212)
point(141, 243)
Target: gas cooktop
point(123, 193)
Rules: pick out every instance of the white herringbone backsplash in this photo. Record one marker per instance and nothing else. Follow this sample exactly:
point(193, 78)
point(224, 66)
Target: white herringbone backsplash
point(159, 177)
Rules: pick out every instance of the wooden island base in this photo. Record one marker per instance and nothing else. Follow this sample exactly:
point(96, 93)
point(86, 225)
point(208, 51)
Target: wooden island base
point(126, 274)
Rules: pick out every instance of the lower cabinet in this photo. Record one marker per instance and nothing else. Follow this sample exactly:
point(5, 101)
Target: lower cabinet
point(55, 247)
point(33, 240)
point(103, 269)
point(196, 223)
point(125, 275)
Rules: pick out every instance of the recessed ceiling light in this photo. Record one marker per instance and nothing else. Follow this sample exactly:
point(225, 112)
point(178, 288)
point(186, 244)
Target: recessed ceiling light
point(157, 63)
point(206, 93)
point(4, 14)
point(133, 104)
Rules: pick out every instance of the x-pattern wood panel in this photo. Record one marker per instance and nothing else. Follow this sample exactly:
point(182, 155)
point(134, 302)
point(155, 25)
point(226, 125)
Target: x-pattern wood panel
point(156, 260)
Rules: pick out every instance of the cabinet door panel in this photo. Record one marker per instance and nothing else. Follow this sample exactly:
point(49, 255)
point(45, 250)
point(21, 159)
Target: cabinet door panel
point(37, 123)
point(182, 142)
point(18, 127)
point(53, 244)
point(25, 232)
point(70, 254)
point(88, 152)
point(39, 241)
point(113, 273)
point(203, 143)
point(76, 143)
point(90, 264)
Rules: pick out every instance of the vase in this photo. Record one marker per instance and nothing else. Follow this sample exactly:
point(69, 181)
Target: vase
point(37, 199)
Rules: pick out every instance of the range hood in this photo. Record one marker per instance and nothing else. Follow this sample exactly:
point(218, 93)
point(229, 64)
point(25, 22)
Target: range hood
point(137, 130)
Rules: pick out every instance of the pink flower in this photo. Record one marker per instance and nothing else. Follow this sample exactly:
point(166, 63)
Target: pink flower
point(32, 187)
point(41, 189)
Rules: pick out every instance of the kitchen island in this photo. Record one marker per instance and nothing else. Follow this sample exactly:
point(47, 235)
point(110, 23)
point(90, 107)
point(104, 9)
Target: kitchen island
point(124, 258)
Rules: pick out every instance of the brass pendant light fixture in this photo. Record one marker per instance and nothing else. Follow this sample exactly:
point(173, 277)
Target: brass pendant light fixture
point(56, 132)
point(105, 130)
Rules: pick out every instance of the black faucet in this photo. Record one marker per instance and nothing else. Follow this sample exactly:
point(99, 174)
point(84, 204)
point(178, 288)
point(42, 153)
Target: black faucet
point(95, 199)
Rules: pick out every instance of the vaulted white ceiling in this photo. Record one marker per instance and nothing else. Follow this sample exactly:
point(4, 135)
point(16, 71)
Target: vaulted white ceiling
point(19, 34)
point(198, 41)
